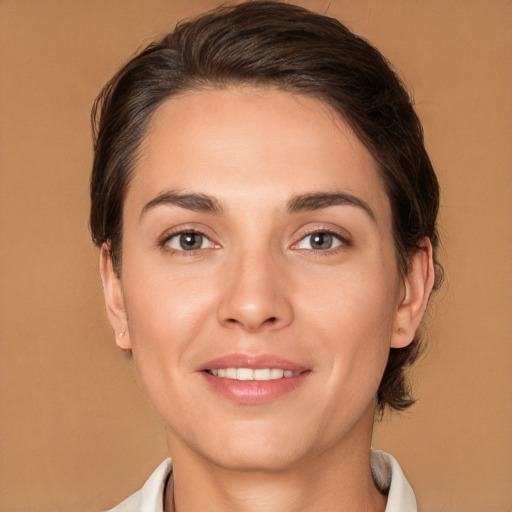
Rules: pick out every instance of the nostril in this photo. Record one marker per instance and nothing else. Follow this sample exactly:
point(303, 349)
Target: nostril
point(269, 321)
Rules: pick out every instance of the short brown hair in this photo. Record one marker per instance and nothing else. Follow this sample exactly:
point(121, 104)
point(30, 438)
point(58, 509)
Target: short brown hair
point(268, 43)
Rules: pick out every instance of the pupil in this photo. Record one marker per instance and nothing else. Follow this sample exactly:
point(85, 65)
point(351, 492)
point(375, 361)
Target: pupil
point(191, 241)
point(321, 241)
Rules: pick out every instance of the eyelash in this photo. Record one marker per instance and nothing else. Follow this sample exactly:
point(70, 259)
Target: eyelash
point(343, 242)
point(164, 243)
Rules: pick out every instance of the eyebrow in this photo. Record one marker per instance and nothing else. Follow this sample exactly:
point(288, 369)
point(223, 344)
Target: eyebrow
point(317, 201)
point(195, 202)
point(305, 202)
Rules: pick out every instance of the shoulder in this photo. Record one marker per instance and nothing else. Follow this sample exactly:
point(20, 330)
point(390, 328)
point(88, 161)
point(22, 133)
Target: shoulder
point(150, 497)
point(390, 479)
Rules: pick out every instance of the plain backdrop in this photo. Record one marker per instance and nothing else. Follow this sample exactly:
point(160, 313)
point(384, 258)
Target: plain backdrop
point(76, 433)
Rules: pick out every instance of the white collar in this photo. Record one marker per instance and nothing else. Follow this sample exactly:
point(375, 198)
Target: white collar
point(386, 472)
point(389, 478)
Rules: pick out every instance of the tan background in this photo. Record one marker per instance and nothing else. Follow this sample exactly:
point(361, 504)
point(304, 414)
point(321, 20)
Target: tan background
point(76, 433)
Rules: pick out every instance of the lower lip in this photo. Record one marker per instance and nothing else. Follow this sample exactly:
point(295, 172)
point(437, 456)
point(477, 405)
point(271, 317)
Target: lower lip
point(254, 391)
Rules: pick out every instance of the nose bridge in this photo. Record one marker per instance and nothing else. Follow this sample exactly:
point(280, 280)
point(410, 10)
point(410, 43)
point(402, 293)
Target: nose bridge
point(254, 293)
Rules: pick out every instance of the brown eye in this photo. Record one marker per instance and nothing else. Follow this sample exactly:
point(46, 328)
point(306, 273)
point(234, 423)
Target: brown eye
point(320, 241)
point(189, 241)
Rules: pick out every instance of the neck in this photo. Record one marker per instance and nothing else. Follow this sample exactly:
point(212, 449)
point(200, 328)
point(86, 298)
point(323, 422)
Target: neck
point(337, 480)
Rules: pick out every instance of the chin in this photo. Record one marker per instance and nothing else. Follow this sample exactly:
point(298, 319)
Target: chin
point(256, 459)
point(259, 448)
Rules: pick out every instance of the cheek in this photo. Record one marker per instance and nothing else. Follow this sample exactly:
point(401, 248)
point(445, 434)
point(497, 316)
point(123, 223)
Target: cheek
point(163, 306)
point(352, 314)
point(167, 311)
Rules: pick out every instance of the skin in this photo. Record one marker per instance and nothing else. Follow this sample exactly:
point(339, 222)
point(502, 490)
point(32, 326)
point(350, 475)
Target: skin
point(257, 285)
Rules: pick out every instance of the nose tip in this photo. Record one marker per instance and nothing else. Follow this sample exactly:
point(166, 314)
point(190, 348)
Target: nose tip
point(255, 299)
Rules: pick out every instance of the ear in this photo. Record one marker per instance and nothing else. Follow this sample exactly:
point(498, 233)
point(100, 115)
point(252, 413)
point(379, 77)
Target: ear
point(114, 300)
point(417, 285)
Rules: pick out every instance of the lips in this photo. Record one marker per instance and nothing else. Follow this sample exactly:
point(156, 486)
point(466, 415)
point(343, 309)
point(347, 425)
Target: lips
point(252, 361)
point(253, 379)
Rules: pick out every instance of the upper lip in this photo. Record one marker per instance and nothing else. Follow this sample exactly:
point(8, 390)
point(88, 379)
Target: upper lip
point(253, 361)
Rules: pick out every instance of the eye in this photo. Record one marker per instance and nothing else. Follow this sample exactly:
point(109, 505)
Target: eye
point(320, 241)
point(188, 241)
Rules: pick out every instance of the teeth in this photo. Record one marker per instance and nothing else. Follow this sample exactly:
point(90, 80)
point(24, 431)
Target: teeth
point(250, 374)
point(262, 374)
point(276, 373)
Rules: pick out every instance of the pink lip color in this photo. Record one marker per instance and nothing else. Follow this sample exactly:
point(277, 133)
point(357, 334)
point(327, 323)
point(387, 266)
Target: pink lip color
point(253, 392)
point(252, 361)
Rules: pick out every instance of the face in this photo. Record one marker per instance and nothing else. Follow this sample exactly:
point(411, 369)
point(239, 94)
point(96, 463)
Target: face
point(259, 290)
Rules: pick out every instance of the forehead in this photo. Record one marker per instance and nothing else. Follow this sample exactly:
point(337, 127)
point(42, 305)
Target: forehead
point(246, 143)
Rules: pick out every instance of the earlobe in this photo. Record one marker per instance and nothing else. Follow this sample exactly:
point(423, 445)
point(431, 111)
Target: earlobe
point(114, 300)
point(417, 286)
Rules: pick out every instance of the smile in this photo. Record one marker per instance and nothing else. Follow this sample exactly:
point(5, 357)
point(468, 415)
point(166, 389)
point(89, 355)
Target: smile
point(260, 374)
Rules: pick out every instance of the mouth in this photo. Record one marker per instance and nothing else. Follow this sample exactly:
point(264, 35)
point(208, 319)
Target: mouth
point(248, 374)
point(253, 379)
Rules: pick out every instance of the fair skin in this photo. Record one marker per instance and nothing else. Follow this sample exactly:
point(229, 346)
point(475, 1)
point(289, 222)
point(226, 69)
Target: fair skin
point(257, 234)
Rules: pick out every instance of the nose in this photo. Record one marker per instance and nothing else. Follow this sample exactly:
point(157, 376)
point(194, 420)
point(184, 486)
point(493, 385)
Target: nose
point(255, 295)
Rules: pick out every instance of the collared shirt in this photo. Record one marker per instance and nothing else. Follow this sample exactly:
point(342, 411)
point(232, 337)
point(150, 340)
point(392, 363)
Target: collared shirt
point(386, 472)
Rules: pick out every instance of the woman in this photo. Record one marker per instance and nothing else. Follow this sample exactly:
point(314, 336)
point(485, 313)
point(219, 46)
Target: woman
point(266, 214)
